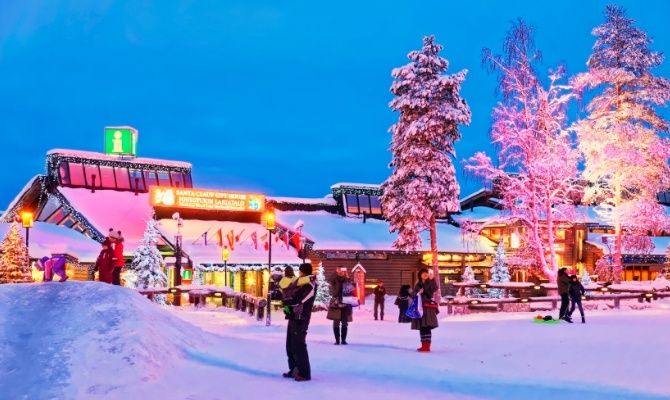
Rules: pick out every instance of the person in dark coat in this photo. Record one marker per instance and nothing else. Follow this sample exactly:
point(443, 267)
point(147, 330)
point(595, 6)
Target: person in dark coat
point(339, 312)
point(563, 282)
point(425, 289)
point(402, 301)
point(576, 291)
point(105, 262)
point(301, 302)
point(380, 294)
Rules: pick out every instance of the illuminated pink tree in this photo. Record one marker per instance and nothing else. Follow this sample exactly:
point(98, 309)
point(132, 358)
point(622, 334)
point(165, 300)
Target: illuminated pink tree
point(422, 186)
point(625, 159)
point(537, 163)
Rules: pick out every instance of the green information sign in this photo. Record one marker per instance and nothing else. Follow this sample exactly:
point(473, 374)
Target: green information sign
point(121, 140)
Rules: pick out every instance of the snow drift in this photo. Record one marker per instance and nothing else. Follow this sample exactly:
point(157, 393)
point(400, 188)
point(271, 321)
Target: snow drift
point(85, 339)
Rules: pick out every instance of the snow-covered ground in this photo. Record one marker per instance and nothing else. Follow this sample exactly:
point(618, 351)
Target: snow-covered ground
point(86, 340)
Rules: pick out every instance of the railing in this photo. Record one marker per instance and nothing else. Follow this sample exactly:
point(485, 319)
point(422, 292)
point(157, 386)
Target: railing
point(534, 293)
point(254, 306)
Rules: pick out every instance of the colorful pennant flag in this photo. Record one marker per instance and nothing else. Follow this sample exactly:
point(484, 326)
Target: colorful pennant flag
point(231, 239)
point(219, 237)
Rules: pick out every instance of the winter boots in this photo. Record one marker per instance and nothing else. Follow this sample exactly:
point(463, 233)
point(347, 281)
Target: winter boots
point(344, 334)
point(425, 346)
point(583, 320)
point(336, 331)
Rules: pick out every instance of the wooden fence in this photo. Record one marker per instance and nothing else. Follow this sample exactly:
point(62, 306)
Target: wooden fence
point(254, 306)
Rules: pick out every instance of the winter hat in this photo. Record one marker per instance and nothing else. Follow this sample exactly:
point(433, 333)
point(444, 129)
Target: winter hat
point(306, 268)
point(119, 236)
point(288, 272)
point(113, 235)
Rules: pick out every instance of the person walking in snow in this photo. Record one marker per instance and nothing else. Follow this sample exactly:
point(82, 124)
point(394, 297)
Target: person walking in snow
point(119, 261)
point(338, 311)
point(563, 282)
point(402, 301)
point(380, 295)
point(300, 302)
point(425, 289)
point(105, 262)
point(576, 291)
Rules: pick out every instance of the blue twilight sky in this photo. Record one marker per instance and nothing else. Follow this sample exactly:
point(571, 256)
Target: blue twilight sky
point(284, 97)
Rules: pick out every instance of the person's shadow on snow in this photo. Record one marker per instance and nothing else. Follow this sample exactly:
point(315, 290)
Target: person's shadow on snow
point(227, 364)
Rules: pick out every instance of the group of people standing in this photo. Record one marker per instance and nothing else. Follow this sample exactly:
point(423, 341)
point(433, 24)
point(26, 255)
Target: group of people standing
point(298, 295)
point(110, 260)
point(571, 291)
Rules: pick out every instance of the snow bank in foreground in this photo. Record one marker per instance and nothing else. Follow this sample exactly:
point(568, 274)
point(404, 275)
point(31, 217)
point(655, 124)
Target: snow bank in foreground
point(85, 339)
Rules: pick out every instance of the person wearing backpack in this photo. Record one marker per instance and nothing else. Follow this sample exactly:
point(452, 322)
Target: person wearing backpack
point(425, 289)
point(299, 297)
point(340, 312)
point(402, 301)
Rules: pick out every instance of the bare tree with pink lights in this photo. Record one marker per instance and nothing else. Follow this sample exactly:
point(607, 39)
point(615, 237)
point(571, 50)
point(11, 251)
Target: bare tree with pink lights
point(537, 163)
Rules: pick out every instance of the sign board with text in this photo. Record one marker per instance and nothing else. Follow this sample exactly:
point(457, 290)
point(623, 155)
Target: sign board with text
point(203, 199)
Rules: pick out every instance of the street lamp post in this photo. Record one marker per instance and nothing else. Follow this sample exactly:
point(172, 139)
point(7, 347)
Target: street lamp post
point(27, 221)
point(270, 223)
point(225, 254)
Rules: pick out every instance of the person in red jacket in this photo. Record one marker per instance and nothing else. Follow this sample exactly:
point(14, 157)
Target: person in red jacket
point(105, 262)
point(119, 261)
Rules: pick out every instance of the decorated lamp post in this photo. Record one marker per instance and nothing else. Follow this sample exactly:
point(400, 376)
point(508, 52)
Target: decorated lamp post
point(225, 254)
point(177, 258)
point(270, 223)
point(27, 221)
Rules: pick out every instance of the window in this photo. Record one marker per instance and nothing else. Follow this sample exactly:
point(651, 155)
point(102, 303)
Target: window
point(163, 178)
point(177, 179)
point(92, 175)
point(64, 173)
point(187, 180)
point(49, 208)
point(375, 205)
point(57, 217)
point(352, 203)
point(136, 181)
point(122, 179)
point(107, 177)
point(150, 178)
point(69, 221)
point(77, 175)
point(364, 203)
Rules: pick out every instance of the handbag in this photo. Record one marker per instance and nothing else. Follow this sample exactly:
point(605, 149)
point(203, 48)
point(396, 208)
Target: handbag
point(415, 310)
point(350, 300)
point(334, 314)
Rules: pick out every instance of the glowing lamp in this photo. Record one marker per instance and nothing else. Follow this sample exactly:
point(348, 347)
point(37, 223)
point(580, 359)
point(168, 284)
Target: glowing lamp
point(524, 300)
point(483, 286)
point(173, 290)
point(515, 240)
point(225, 254)
point(537, 287)
point(604, 289)
point(27, 219)
point(648, 295)
point(217, 294)
point(583, 297)
point(474, 302)
point(269, 220)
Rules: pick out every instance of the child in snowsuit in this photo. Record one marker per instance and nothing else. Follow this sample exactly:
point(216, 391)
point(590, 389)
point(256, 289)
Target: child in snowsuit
point(402, 301)
point(576, 292)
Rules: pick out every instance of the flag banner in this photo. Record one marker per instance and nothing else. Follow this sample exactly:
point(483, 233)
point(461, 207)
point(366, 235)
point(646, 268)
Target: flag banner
point(254, 240)
point(231, 239)
point(219, 237)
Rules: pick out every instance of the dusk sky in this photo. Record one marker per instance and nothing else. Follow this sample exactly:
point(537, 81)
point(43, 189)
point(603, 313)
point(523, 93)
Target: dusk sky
point(281, 97)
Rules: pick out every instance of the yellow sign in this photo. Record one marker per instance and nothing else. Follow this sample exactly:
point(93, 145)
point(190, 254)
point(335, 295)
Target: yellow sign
point(200, 199)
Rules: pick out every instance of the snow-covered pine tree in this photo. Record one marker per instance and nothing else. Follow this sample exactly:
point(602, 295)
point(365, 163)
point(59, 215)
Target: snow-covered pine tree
point(469, 277)
point(14, 257)
point(146, 266)
point(586, 279)
point(322, 299)
point(499, 271)
point(422, 186)
point(625, 159)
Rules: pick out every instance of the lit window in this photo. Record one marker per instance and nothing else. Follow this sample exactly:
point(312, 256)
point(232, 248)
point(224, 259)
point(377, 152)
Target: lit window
point(163, 178)
point(187, 180)
point(122, 179)
point(92, 175)
point(375, 205)
point(136, 181)
point(57, 217)
point(364, 203)
point(352, 203)
point(77, 175)
point(177, 179)
point(107, 176)
point(64, 173)
point(150, 178)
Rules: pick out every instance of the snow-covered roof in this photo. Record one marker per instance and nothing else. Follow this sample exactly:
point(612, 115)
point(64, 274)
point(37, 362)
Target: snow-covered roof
point(356, 185)
point(18, 196)
point(104, 209)
point(330, 201)
point(661, 243)
point(244, 252)
point(47, 239)
point(335, 232)
point(477, 214)
point(474, 194)
point(100, 156)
